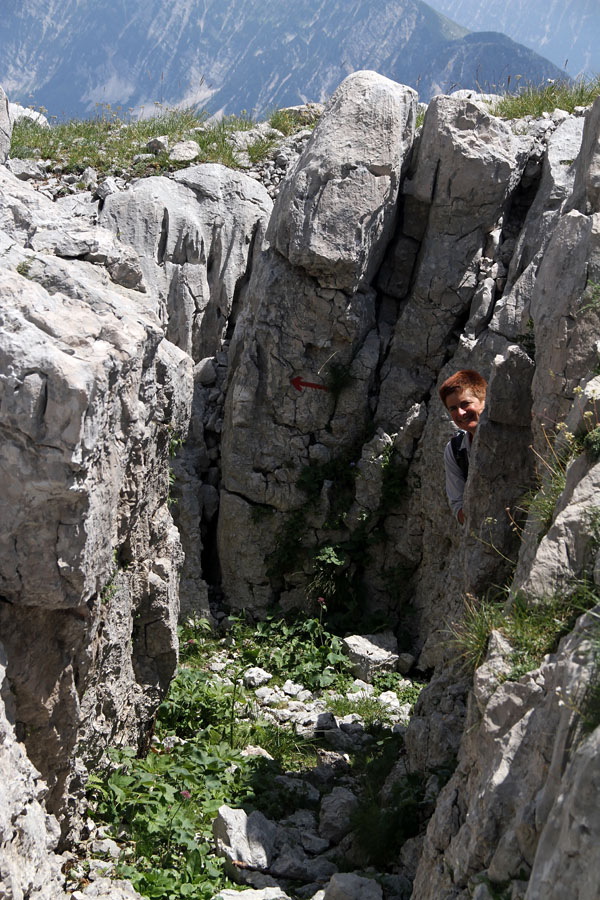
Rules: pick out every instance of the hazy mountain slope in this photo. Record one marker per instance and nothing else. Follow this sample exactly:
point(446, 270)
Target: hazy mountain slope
point(558, 29)
point(232, 55)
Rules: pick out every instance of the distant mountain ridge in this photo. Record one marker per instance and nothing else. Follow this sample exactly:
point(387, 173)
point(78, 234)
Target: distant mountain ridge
point(559, 29)
point(72, 55)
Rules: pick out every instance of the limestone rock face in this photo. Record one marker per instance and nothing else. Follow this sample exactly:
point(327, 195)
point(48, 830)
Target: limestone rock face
point(309, 341)
point(28, 835)
point(337, 208)
point(569, 835)
point(501, 817)
point(467, 167)
point(196, 237)
point(90, 394)
point(586, 190)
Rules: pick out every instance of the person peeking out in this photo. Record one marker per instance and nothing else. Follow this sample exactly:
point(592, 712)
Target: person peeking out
point(463, 395)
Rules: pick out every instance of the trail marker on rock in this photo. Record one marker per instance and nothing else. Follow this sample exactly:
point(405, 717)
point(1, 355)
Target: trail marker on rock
point(299, 384)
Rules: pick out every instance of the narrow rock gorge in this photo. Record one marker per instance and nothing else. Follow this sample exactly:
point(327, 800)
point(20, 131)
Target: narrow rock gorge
point(212, 401)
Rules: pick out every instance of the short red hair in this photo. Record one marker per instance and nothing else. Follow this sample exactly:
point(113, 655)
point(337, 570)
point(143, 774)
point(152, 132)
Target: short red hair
point(466, 379)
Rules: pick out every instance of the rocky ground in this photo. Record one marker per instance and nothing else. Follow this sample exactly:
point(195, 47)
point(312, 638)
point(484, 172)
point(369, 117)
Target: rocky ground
point(309, 850)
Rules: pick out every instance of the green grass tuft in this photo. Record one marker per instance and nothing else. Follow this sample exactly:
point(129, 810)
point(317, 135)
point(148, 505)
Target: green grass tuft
point(533, 626)
point(533, 100)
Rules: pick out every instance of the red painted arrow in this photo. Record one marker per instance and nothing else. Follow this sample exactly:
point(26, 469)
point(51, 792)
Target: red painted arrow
point(299, 384)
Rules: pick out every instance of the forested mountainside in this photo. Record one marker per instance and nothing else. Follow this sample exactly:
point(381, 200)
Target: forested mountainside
point(232, 55)
point(565, 31)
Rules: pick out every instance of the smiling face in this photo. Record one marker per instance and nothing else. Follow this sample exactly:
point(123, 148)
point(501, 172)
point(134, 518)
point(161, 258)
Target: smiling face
point(465, 408)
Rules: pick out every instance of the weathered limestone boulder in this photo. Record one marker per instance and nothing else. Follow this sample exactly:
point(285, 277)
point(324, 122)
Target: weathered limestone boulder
point(567, 859)
point(299, 325)
point(372, 653)
point(352, 163)
point(107, 889)
point(586, 190)
point(185, 151)
point(523, 255)
point(18, 112)
point(334, 816)
point(5, 127)
point(347, 886)
point(268, 893)
point(28, 835)
point(244, 839)
point(195, 235)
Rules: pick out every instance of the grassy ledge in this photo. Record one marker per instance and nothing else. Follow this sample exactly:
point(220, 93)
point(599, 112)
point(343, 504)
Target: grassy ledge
point(533, 100)
point(533, 626)
point(112, 141)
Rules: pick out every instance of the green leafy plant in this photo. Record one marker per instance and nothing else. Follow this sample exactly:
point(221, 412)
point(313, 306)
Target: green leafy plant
point(165, 804)
point(337, 378)
point(382, 829)
point(591, 442)
point(301, 649)
point(194, 702)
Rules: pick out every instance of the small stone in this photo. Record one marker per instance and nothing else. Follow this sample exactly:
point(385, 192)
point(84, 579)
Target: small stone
point(255, 677)
point(106, 847)
point(347, 886)
point(106, 187)
point(268, 696)
point(89, 177)
point(389, 698)
point(26, 169)
point(336, 810)
point(184, 151)
point(299, 788)
point(158, 144)
point(205, 371)
point(405, 663)
point(372, 653)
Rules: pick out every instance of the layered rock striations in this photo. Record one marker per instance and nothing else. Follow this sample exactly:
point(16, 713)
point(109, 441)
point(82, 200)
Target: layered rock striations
point(286, 361)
